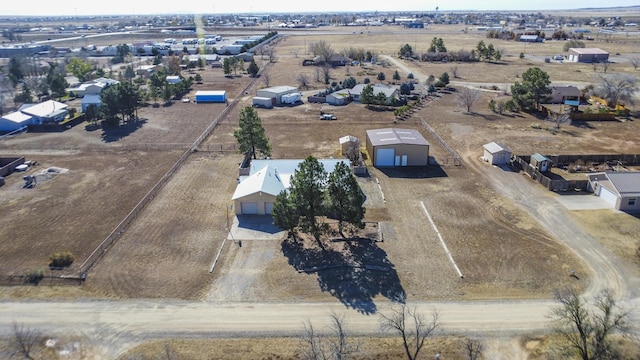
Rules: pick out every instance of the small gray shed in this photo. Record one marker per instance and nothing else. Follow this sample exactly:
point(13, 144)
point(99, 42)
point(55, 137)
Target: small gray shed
point(540, 162)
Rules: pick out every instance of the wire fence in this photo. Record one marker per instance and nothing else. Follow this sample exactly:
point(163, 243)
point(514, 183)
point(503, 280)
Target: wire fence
point(117, 232)
point(457, 161)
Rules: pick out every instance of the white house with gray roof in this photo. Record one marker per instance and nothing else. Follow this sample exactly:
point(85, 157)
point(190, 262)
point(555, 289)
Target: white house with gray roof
point(620, 189)
point(256, 193)
point(389, 91)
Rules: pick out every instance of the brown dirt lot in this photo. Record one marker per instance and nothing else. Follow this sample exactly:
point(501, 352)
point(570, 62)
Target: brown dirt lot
point(168, 250)
point(383, 348)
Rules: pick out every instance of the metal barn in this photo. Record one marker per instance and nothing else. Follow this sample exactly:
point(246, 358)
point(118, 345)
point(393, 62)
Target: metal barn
point(397, 147)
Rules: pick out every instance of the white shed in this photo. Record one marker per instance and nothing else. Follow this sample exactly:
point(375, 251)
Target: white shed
point(347, 142)
point(496, 154)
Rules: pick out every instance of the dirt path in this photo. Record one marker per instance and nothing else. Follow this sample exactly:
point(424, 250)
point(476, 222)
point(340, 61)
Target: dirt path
point(540, 204)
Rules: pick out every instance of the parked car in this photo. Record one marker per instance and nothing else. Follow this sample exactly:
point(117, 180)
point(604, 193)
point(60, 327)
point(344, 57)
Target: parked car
point(558, 57)
point(328, 117)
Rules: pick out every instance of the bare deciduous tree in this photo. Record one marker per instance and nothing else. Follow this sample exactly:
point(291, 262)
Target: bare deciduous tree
point(338, 346)
point(430, 80)
point(321, 49)
point(318, 74)
point(411, 326)
point(326, 72)
point(467, 97)
point(266, 79)
point(635, 61)
point(605, 66)
point(353, 152)
point(558, 119)
point(303, 80)
point(587, 333)
point(270, 51)
point(472, 348)
point(617, 88)
point(24, 341)
point(454, 71)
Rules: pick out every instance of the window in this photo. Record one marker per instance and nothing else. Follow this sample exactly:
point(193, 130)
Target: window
point(632, 202)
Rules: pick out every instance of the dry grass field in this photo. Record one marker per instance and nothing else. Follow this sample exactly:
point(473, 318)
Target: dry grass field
point(168, 250)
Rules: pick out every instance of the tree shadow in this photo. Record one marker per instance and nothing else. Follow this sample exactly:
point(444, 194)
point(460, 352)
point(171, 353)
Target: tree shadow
point(490, 117)
point(112, 133)
point(582, 124)
point(354, 271)
point(434, 170)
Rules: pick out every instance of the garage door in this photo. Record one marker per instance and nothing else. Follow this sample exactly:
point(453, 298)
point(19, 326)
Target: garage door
point(249, 208)
point(385, 157)
point(608, 196)
point(268, 207)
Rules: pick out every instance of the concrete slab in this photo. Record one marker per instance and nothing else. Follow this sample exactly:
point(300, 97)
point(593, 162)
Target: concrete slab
point(255, 227)
point(583, 202)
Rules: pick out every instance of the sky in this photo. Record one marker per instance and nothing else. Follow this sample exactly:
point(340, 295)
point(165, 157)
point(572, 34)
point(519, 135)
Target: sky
point(117, 7)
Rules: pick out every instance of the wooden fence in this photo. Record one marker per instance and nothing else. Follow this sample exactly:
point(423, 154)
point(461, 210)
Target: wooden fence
point(592, 117)
point(522, 162)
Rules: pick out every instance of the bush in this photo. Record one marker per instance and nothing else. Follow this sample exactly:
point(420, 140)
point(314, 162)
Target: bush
point(367, 80)
point(492, 105)
point(61, 259)
point(34, 276)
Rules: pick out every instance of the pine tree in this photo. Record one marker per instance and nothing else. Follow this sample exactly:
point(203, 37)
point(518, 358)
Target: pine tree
point(251, 135)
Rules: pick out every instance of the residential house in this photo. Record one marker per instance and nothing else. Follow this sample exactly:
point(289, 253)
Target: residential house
point(567, 95)
point(256, 193)
point(389, 91)
point(620, 189)
point(47, 112)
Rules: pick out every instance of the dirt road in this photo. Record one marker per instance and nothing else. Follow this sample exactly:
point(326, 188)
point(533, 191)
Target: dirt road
point(115, 326)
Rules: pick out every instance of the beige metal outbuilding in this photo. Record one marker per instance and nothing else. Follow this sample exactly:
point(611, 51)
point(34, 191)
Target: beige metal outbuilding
point(397, 147)
point(496, 154)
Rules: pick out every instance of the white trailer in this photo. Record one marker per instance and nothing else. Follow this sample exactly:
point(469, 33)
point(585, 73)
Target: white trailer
point(292, 98)
point(262, 102)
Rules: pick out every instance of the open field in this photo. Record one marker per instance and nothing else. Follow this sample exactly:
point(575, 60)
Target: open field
point(503, 252)
point(296, 133)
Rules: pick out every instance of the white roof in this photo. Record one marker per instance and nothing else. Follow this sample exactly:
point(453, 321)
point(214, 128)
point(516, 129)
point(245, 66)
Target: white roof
point(494, 147)
point(105, 81)
point(265, 180)
point(17, 117)
point(279, 89)
point(287, 167)
point(45, 109)
point(210, 92)
point(377, 88)
point(348, 138)
point(173, 79)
